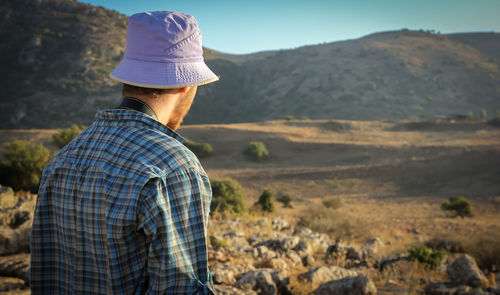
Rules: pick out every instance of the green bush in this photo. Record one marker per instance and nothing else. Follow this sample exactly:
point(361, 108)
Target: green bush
point(286, 200)
point(199, 149)
point(227, 196)
point(64, 136)
point(256, 150)
point(265, 201)
point(219, 243)
point(459, 204)
point(289, 118)
point(23, 164)
point(425, 255)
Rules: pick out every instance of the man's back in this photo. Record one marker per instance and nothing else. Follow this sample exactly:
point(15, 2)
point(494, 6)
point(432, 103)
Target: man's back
point(122, 209)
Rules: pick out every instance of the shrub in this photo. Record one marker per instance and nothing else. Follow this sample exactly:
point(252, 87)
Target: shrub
point(64, 136)
point(265, 201)
point(23, 164)
point(289, 118)
point(227, 196)
point(333, 203)
point(199, 149)
point(459, 204)
point(218, 243)
point(286, 200)
point(424, 255)
point(256, 150)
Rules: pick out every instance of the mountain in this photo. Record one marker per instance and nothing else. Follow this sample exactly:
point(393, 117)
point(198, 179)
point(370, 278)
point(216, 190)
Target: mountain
point(59, 53)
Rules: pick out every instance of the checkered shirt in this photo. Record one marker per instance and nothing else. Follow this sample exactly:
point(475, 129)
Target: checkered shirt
point(122, 209)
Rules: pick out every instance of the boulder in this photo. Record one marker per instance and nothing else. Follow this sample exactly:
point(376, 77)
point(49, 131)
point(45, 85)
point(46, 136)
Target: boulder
point(15, 228)
point(264, 281)
point(279, 224)
point(353, 285)
point(278, 263)
point(308, 260)
point(17, 266)
point(264, 252)
point(323, 274)
point(320, 242)
point(10, 284)
point(464, 270)
point(293, 257)
point(230, 290)
point(228, 273)
point(449, 289)
point(281, 243)
point(7, 197)
point(303, 249)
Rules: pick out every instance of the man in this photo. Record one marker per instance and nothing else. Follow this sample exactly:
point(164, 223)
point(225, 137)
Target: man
point(123, 208)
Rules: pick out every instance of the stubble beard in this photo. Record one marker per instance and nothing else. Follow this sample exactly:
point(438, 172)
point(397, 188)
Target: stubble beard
point(181, 109)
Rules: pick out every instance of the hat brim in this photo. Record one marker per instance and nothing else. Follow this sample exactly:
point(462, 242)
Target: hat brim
point(163, 75)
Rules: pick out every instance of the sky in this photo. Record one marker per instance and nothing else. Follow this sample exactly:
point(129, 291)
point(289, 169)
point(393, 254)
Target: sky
point(240, 26)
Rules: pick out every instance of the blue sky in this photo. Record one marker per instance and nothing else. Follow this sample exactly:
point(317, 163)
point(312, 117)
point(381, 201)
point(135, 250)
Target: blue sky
point(240, 26)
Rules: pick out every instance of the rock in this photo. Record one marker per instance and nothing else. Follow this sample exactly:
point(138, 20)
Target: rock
point(354, 253)
point(7, 197)
point(493, 290)
point(375, 242)
point(278, 263)
point(255, 238)
point(323, 274)
point(281, 243)
point(303, 249)
point(10, 284)
point(353, 285)
point(228, 273)
point(320, 242)
point(17, 266)
point(396, 267)
point(264, 253)
point(263, 281)
point(294, 258)
point(448, 289)
point(15, 228)
point(308, 260)
point(230, 290)
point(279, 224)
point(464, 270)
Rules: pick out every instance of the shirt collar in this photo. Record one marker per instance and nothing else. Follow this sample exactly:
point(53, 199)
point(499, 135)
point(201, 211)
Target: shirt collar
point(135, 118)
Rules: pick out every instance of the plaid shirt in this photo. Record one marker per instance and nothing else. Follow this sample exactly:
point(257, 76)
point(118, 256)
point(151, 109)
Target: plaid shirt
point(122, 209)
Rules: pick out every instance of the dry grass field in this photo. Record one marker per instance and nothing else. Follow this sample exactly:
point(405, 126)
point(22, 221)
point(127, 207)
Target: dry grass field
point(387, 177)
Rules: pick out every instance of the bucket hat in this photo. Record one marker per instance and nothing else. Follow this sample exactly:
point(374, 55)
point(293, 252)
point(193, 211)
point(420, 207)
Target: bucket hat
point(163, 51)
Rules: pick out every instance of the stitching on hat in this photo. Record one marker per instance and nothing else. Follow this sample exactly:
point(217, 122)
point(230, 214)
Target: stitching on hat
point(183, 42)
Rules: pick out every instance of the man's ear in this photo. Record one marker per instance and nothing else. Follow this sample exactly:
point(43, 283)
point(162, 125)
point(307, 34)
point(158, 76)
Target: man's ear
point(176, 90)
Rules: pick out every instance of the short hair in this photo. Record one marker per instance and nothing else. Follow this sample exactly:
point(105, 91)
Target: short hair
point(154, 92)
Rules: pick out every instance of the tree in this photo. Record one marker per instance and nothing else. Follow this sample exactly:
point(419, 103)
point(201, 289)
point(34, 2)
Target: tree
point(256, 150)
point(286, 200)
point(265, 201)
point(459, 204)
point(227, 195)
point(23, 164)
point(470, 115)
point(64, 136)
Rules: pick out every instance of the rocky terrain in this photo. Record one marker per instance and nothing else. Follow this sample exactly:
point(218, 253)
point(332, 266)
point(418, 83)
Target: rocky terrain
point(57, 55)
point(268, 255)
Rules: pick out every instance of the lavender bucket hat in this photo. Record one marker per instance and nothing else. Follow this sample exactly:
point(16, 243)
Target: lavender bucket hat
point(163, 51)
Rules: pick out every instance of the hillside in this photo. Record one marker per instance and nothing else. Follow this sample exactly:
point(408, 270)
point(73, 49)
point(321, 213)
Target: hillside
point(59, 54)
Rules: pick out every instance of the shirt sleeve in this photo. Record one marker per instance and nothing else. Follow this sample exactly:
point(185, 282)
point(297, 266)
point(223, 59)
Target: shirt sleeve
point(173, 215)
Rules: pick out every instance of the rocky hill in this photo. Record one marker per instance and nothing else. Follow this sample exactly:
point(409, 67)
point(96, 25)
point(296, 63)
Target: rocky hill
point(59, 54)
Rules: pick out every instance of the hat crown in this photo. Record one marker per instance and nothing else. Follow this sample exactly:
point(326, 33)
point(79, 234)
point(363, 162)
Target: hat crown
point(163, 35)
